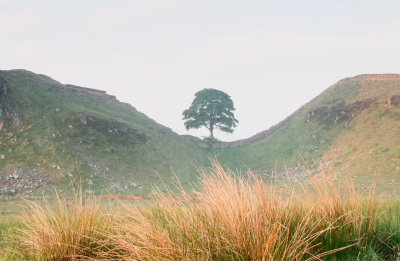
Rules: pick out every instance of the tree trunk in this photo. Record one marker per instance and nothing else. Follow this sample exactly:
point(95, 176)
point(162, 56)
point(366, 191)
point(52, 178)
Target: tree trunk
point(212, 130)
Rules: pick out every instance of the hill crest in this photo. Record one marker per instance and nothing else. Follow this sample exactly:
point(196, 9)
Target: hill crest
point(68, 132)
point(264, 134)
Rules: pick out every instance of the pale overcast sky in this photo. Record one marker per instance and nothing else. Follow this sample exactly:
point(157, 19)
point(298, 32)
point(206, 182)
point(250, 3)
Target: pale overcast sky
point(270, 56)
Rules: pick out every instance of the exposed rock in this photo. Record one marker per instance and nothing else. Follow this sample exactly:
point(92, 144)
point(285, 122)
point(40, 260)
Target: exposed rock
point(337, 111)
point(89, 192)
point(8, 117)
point(296, 174)
point(393, 101)
point(356, 107)
point(20, 182)
point(56, 167)
point(97, 93)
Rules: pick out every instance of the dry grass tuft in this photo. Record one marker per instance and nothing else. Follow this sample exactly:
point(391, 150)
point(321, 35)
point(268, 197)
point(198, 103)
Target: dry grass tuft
point(229, 218)
point(237, 218)
point(70, 230)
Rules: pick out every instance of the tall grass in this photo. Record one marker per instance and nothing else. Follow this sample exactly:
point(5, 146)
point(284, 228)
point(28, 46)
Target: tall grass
point(237, 218)
point(69, 230)
point(229, 218)
point(8, 224)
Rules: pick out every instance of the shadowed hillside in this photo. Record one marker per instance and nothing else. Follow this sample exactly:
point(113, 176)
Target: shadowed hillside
point(55, 133)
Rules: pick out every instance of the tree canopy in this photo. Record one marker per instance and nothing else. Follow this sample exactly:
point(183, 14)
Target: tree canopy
point(212, 109)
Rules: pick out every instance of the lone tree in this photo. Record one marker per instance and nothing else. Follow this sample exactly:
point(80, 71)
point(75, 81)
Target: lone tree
point(212, 109)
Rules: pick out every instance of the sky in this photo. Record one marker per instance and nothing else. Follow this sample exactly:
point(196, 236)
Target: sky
point(271, 57)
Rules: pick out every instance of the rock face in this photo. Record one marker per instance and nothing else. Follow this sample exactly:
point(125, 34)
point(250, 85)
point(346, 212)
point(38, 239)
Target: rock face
point(19, 182)
point(337, 111)
point(3, 94)
point(100, 95)
point(393, 101)
point(8, 117)
point(3, 89)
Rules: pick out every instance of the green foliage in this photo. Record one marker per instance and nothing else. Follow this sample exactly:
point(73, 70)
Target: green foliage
point(212, 109)
point(211, 142)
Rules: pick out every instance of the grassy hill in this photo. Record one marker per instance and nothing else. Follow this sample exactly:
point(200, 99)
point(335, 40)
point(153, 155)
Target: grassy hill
point(57, 133)
point(51, 133)
point(369, 149)
point(354, 124)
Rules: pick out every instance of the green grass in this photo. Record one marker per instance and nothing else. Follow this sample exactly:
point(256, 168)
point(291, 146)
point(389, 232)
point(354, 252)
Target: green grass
point(228, 218)
point(362, 141)
point(123, 146)
point(368, 149)
point(303, 138)
point(77, 131)
point(9, 223)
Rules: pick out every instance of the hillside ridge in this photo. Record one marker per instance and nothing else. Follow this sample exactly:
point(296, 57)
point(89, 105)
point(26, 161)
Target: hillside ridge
point(58, 132)
point(264, 134)
point(51, 83)
point(55, 132)
point(380, 77)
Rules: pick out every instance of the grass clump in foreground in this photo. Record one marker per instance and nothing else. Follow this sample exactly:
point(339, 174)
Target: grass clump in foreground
point(70, 230)
point(230, 218)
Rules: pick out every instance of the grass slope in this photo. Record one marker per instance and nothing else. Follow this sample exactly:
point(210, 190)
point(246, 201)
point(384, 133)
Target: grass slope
point(69, 131)
point(354, 124)
point(369, 148)
point(100, 142)
point(304, 136)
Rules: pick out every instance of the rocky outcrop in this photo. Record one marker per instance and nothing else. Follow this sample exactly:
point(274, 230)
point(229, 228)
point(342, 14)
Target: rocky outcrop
point(337, 111)
point(8, 117)
point(101, 95)
point(3, 94)
point(3, 89)
point(393, 101)
point(19, 182)
point(93, 92)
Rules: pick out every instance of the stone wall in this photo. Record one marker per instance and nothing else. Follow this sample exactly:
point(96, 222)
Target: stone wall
point(238, 143)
